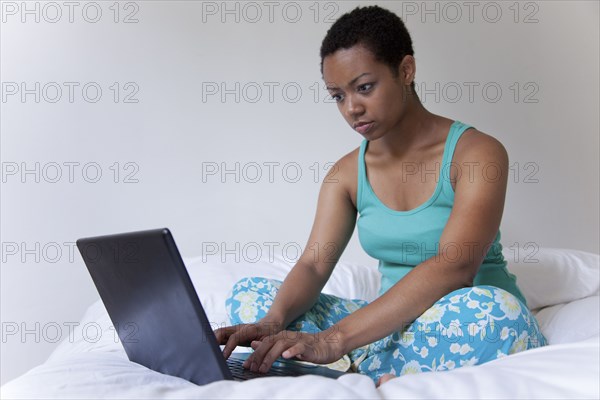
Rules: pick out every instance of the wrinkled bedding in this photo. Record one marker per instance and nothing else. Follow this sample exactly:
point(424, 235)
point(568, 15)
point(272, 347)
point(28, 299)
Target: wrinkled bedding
point(561, 287)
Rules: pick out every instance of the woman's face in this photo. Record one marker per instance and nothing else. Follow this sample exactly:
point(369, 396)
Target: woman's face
point(366, 91)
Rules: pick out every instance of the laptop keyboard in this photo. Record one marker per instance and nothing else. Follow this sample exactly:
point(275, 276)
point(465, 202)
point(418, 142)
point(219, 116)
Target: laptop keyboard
point(241, 373)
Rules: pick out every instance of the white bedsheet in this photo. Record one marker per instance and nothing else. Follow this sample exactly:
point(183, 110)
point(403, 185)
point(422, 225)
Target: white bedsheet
point(568, 368)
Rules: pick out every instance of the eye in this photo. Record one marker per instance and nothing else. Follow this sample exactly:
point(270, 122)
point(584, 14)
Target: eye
point(336, 97)
point(365, 87)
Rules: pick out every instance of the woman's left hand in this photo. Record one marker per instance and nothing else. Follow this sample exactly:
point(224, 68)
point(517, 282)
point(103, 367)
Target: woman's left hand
point(319, 348)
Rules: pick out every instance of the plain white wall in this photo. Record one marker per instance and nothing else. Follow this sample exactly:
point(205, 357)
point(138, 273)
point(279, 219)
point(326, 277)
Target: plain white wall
point(542, 55)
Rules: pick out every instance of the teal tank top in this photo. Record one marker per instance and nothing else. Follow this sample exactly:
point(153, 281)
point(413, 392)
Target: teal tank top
point(400, 240)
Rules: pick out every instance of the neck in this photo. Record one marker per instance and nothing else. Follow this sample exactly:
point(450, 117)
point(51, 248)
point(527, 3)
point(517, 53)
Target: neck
point(417, 130)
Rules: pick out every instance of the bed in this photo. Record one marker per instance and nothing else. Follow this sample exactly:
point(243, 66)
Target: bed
point(561, 287)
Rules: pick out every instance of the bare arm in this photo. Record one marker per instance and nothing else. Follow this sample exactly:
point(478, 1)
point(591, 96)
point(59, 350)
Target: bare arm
point(472, 227)
point(332, 228)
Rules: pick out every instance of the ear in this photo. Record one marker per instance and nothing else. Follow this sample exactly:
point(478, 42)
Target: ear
point(407, 69)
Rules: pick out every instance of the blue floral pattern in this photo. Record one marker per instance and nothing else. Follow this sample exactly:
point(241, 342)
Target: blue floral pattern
point(469, 326)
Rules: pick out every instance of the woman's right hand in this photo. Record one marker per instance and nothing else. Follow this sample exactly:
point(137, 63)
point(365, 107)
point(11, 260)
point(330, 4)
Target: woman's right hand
point(244, 334)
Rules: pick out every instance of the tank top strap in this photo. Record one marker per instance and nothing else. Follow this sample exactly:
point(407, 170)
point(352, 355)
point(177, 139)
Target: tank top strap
point(362, 176)
point(456, 131)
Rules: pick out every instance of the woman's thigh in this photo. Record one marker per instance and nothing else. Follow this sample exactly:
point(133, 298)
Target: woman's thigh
point(466, 327)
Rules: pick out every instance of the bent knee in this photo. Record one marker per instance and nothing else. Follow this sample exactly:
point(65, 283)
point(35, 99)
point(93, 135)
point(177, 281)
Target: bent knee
point(487, 292)
point(255, 283)
point(250, 298)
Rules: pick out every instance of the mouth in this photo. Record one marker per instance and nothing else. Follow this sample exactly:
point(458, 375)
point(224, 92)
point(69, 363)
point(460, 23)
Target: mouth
point(362, 127)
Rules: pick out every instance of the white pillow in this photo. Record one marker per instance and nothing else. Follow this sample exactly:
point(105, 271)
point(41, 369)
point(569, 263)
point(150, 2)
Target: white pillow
point(572, 322)
point(213, 281)
point(353, 281)
point(551, 276)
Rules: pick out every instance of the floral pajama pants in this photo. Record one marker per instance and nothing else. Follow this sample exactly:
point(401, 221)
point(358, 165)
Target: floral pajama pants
point(469, 326)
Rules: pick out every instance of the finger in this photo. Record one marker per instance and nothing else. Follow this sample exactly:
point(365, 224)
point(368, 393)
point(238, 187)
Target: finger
point(296, 350)
point(259, 353)
point(222, 335)
point(272, 355)
point(255, 344)
point(231, 344)
point(225, 333)
point(239, 335)
point(248, 361)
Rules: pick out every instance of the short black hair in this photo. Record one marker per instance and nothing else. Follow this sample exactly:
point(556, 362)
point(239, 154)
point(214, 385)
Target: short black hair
point(379, 30)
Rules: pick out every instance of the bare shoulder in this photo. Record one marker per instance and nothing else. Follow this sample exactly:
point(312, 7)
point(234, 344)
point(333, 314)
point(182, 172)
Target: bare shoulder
point(348, 163)
point(479, 147)
point(345, 173)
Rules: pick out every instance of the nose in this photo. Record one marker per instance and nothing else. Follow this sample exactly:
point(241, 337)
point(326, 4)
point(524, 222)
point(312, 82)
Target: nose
point(353, 107)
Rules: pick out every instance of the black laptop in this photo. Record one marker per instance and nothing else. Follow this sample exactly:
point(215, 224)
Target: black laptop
point(155, 310)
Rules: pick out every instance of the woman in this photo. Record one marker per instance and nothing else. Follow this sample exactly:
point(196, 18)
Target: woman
point(430, 193)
